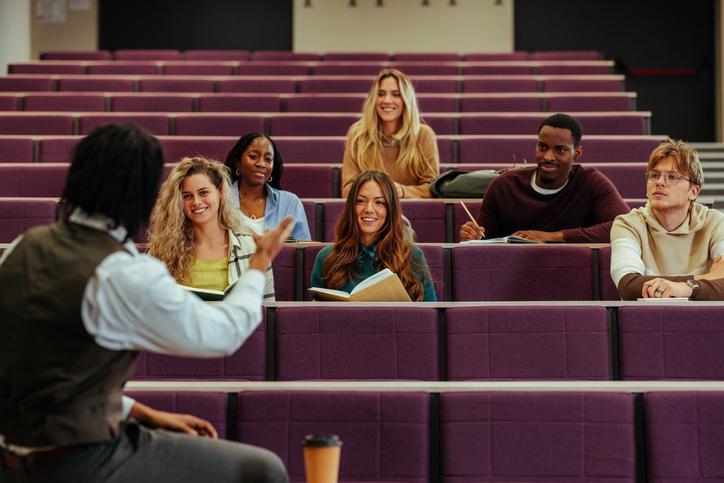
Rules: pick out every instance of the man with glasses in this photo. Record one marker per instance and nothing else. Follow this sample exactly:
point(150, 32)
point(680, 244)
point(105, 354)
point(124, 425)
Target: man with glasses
point(671, 247)
point(554, 201)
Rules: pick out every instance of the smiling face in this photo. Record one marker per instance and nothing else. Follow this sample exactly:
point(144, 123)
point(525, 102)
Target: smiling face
point(555, 153)
point(371, 211)
point(200, 199)
point(256, 163)
point(389, 104)
point(666, 196)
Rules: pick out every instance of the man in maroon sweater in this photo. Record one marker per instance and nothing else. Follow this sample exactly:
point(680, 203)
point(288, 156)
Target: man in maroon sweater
point(554, 201)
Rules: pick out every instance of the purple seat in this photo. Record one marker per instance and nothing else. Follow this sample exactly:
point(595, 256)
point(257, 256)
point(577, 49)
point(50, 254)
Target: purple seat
point(239, 103)
point(530, 342)
point(441, 85)
point(357, 56)
point(199, 68)
point(427, 218)
point(523, 123)
point(608, 289)
point(76, 55)
point(579, 103)
point(62, 101)
point(95, 84)
point(621, 150)
point(435, 258)
point(16, 150)
point(310, 211)
point(17, 215)
point(142, 67)
point(25, 83)
point(445, 148)
point(152, 103)
point(332, 211)
point(284, 55)
point(247, 363)
point(271, 85)
point(153, 123)
point(32, 180)
point(460, 217)
point(440, 123)
point(57, 149)
point(47, 68)
point(216, 55)
point(523, 272)
point(177, 147)
point(311, 149)
point(501, 104)
point(567, 55)
point(10, 102)
point(498, 69)
point(684, 439)
point(627, 177)
point(310, 255)
point(674, 342)
point(311, 181)
point(176, 84)
point(30, 123)
point(338, 84)
point(362, 343)
point(538, 437)
point(210, 406)
point(437, 103)
point(311, 124)
point(426, 57)
point(385, 434)
point(347, 68)
point(494, 56)
point(582, 85)
point(147, 54)
point(491, 84)
point(325, 103)
point(272, 69)
point(426, 68)
point(285, 274)
point(217, 124)
point(572, 69)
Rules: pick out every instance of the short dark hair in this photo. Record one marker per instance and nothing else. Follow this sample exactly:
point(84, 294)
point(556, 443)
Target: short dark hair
point(564, 121)
point(241, 145)
point(116, 171)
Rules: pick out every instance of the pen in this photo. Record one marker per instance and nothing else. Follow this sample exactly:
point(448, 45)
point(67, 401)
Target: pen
point(471, 216)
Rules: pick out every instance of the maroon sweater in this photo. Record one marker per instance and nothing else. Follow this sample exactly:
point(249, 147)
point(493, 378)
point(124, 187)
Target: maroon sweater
point(584, 209)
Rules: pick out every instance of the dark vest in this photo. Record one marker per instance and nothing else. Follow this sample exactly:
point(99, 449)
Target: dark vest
point(57, 386)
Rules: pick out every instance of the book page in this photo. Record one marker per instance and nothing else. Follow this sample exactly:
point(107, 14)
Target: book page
point(330, 294)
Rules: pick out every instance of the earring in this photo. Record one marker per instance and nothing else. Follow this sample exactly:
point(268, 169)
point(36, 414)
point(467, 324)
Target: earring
point(269, 179)
point(238, 173)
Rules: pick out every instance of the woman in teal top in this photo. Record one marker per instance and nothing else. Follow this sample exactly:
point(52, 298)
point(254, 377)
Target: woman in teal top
point(370, 238)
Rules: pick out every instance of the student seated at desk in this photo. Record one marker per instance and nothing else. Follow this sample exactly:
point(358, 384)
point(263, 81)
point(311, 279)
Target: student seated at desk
point(371, 237)
point(195, 229)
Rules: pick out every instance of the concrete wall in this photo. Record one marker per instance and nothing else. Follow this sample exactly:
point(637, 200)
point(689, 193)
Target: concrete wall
point(14, 32)
point(404, 25)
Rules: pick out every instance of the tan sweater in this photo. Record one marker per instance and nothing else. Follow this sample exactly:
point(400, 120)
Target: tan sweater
point(413, 186)
point(642, 247)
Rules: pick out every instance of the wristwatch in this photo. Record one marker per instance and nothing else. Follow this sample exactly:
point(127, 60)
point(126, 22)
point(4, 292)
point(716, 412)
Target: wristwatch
point(694, 288)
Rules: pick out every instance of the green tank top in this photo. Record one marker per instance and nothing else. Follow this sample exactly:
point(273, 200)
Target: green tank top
point(210, 274)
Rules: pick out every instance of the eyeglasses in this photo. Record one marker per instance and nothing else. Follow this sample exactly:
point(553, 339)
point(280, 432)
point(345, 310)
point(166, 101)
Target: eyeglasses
point(669, 178)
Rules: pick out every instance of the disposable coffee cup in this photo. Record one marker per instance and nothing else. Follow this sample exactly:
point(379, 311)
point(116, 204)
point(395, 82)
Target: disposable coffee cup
point(321, 457)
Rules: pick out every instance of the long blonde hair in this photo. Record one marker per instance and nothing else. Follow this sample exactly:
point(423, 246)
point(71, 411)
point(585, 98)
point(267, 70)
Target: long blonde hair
point(364, 140)
point(172, 236)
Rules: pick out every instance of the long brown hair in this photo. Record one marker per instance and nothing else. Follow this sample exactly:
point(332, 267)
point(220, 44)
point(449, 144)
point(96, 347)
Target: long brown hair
point(393, 251)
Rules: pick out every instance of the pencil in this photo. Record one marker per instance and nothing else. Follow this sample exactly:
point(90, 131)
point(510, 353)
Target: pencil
point(471, 216)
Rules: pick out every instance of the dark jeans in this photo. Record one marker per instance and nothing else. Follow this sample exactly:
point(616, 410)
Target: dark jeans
point(155, 456)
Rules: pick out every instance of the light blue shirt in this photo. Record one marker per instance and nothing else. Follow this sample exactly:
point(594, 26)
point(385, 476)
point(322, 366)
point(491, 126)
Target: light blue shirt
point(279, 205)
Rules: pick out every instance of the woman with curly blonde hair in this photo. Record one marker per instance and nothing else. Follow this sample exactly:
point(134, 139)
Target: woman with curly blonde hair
point(370, 238)
point(390, 137)
point(195, 229)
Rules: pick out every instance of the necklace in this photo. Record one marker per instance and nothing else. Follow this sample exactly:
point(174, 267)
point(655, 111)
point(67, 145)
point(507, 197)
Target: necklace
point(252, 206)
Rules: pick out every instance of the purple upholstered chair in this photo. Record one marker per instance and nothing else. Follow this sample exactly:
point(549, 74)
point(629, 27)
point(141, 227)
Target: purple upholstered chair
point(199, 68)
point(435, 258)
point(385, 434)
point(311, 180)
point(142, 67)
point(31, 123)
point(152, 102)
point(311, 124)
point(437, 102)
point(64, 101)
point(502, 84)
point(46, 68)
point(311, 149)
point(684, 436)
point(427, 68)
point(176, 84)
point(600, 102)
point(489, 56)
point(147, 54)
point(501, 104)
point(436, 85)
point(582, 85)
point(95, 83)
point(346, 68)
point(673, 342)
point(361, 343)
point(608, 289)
point(527, 342)
point(567, 55)
point(250, 84)
point(496, 149)
point(239, 103)
point(32, 179)
point(10, 101)
point(16, 149)
point(76, 55)
point(177, 147)
point(332, 211)
point(627, 177)
point(57, 149)
point(445, 149)
point(206, 55)
point(522, 123)
point(335, 84)
point(17, 215)
point(285, 274)
point(217, 124)
point(619, 150)
point(429, 57)
point(574, 69)
point(210, 406)
point(357, 56)
point(25, 83)
point(154, 123)
point(310, 255)
point(523, 272)
point(247, 363)
point(498, 69)
point(272, 68)
point(325, 102)
point(284, 55)
point(538, 437)
point(310, 210)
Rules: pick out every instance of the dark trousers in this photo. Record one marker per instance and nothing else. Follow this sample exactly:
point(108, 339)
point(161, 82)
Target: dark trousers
point(143, 455)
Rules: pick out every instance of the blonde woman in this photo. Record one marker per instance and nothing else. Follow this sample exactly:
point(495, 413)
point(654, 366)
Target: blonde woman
point(196, 231)
point(389, 137)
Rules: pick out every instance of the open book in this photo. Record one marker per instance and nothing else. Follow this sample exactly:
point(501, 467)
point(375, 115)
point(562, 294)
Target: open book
point(207, 294)
point(503, 239)
point(383, 286)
